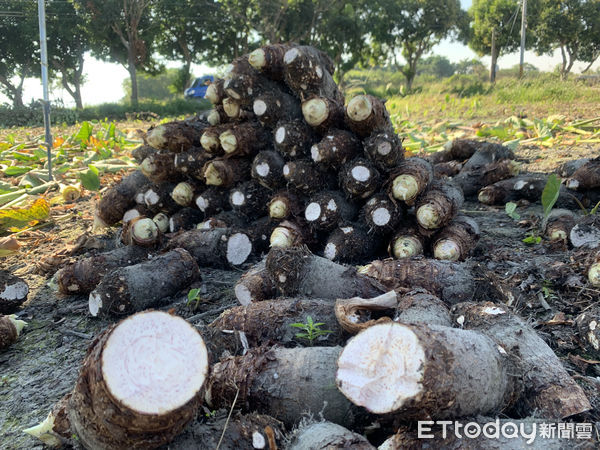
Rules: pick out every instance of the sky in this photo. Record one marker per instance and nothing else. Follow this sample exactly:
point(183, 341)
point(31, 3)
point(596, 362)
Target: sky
point(104, 80)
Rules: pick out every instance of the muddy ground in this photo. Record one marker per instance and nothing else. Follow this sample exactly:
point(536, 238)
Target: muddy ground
point(542, 283)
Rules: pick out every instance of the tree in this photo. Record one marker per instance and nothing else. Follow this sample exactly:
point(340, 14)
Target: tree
point(19, 41)
point(67, 44)
point(414, 27)
point(123, 31)
point(571, 25)
point(436, 65)
point(154, 87)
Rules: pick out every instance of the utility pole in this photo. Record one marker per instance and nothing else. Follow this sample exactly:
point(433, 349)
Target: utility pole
point(523, 27)
point(46, 101)
point(493, 64)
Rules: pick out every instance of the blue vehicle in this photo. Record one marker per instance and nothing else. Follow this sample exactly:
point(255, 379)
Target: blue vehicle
point(198, 87)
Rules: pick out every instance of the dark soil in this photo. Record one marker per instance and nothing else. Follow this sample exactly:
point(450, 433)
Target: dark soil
point(542, 283)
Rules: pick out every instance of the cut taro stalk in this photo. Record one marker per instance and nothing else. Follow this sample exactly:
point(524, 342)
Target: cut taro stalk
point(286, 205)
point(446, 169)
point(225, 219)
point(455, 241)
point(413, 370)
point(255, 285)
point(215, 92)
point(438, 205)
point(158, 199)
point(593, 271)
point(410, 178)
point(141, 231)
point(249, 199)
point(13, 292)
point(267, 169)
point(549, 389)
point(296, 271)
point(177, 136)
point(366, 115)
point(244, 85)
point(271, 107)
point(83, 276)
point(359, 178)
point(456, 150)
point(328, 208)
point(212, 200)
point(586, 177)
point(473, 180)
point(350, 243)
point(380, 214)
point(162, 222)
point(10, 328)
point(119, 198)
point(185, 219)
point(304, 177)
point(559, 225)
point(407, 242)
point(323, 113)
point(217, 116)
point(138, 389)
point(588, 325)
point(160, 167)
point(139, 210)
point(307, 72)
point(269, 60)
point(294, 139)
point(126, 290)
point(487, 153)
point(190, 163)
point(226, 172)
point(142, 152)
point(289, 234)
point(209, 140)
point(326, 436)
point(335, 148)
point(244, 139)
point(183, 193)
point(218, 247)
point(384, 149)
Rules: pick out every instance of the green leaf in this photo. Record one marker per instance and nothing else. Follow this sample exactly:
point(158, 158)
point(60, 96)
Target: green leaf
point(550, 194)
point(595, 209)
point(532, 240)
point(84, 133)
point(40, 153)
point(510, 208)
point(90, 179)
point(16, 170)
point(193, 294)
point(297, 325)
point(39, 210)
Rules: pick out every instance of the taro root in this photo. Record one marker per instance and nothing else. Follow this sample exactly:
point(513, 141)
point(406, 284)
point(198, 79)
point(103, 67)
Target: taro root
point(323, 113)
point(286, 205)
point(588, 326)
point(255, 285)
point(304, 177)
point(471, 181)
point(419, 306)
point(426, 372)
point(141, 231)
point(559, 225)
point(244, 84)
point(267, 169)
point(328, 208)
point(366, 115)
point(13, 292)
point(118, 199)
point(269, 60)
point(244, 139)
point(289, 234)
point(259, 231)
point(549, 390)
point(217, 116)
point(451, 281)
point(224, 219)
point(249, 199)
point(384, 149)
point(185, 219)
point(568, 168)
point(407, 242)
point(271, 107)
point(586, 177)
point(456, 150)
point(359, 178)
point(380, 214)
point(410, 178)
point(226, 172)
point(83, 276)
point(190, 163)
point(455, 241)
point(10, 328)
point(212, 200)
point(593, 268)
point(138, 389)
point(447, 169)
point(349, 243)
point(270, 321)
point(438, 205)
point(162, 222)
point(158, 198)
point(215, 92)
point(142, 152)
point(296, 271)
point(335, 148)
point(281, 382)
point(137, 211)
point(586, 233)
point(160, 167)
point(327, 436)
point(293, 139)
point(177, 136)
point(218, 247)
point(144, 285)
point(209, 140)
point(307, 72)
point(235, 111)
point(183, 193)
point(487, 153)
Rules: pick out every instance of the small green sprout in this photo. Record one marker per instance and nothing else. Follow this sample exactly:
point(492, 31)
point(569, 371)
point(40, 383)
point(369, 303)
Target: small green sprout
point(510, 208)
point(311, 330)
point(193, 296)
point(532, 238)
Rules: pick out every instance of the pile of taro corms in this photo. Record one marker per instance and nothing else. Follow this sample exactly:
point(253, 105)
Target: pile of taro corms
point(363, 247)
